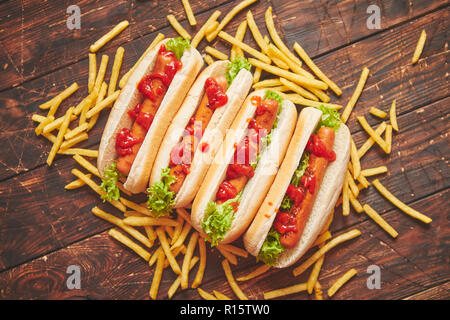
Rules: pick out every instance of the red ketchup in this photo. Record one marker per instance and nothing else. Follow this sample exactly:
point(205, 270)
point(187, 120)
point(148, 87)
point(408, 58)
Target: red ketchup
point(226, 191)
point(204, 147)
point(284, 222)
point(216, 95)
point(318, 148)
point(297, 194)
point(145, 119)
point(125, 141)
point(239, 170)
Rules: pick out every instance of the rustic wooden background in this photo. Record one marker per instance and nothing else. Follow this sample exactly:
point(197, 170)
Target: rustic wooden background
point(44, 229)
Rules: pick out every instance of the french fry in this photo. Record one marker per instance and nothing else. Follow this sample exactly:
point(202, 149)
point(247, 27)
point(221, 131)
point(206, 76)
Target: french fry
point(256, 75)
point(82, 152)
point(178, 27)
point(296, 88)
point(318, 291)
point(255, 32)
point(225, 36)
point(135, 206)
point(60, 136)
point(345, 198)
point(378, 113)
point(419, 47)
point(187, 260)
point(355, 203)
point(107, 37)
point(44, 122)
point(60, 97)
point(276, 38)
point(76, 131)
point(228, 255)
point(92, 71)
point(234, 286)
point(366, 126)
point(56, 124)
point(352, 186)
point(327, 247)
point(234, 250)
point(301, 80)
point(175, 252)
point(208, 59)
point(189, 13)
point(153, 293)
point(314, 275)
point(380, 221)
point(220, 295)
point(69, 143)
point(54, 107)
point(393, 115)
point(186, 228)
point(355, 159)
point(125, 77)
point(87, 104)
point(144, 254)
point(355, 96)
point(388, 138)
point(115, 70)
point(205, 295)
point(155, 256)
point(322, 238)
point(285, 291)
point(240, 34)
point(101, 73)
point(216, 53)
point(149, 221)
point(399, 204)
point(230, 15)
point(103, 104)
point(302, 53)
point(369, 142)
point(202, 32)
point(255, 273)
point(201, 269)
point(298, 99)
point(120, 223)
point(165, 245)
point(78, 183)
point(341, 281)
point(177, 230)
point(279, 63)
point(374, 171)
point(97, 188)
point(87, 165)
point(267, 83)
point(176, 284)
point(211, 27)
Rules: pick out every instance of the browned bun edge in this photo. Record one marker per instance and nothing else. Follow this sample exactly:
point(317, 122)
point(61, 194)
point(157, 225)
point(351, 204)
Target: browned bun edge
point(140, 171)
point(257, 187)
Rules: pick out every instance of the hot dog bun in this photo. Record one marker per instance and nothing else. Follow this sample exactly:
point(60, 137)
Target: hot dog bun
point(129, 96)
point(257, 187)
point(328, 193)
point(220, 121)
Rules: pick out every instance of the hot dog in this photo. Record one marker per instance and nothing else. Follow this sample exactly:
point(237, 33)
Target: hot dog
point(311, 176)
point(195, 134)
point(143, 111)
point(244, 167)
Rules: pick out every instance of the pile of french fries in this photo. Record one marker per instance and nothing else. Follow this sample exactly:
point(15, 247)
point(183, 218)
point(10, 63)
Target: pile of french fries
point(161, 240)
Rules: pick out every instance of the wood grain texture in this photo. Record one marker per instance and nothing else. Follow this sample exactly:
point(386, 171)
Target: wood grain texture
point(44, 229)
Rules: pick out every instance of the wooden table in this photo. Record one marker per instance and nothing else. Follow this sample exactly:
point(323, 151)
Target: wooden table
point(44, 229)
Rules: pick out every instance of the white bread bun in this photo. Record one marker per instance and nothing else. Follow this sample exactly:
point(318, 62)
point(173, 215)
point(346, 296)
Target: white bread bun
point(215, 130)
point(257, 187)
point(326, 198)
point(129, 96)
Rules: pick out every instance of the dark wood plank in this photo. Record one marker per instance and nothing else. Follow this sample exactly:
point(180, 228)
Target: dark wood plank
point(321, 26)
point(392, 77)
point(27, 54)
point(440, 292)
point(111, 272)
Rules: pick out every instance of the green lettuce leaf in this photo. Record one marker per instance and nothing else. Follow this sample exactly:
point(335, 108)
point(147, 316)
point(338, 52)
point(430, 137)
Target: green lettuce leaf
point(271, 248)
point(177, 46)
point(330, 118)
point(275, 96)
point(300, 171)
point(218, 219)
point(235, 66)
point(109, 183)
point(160, 199)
